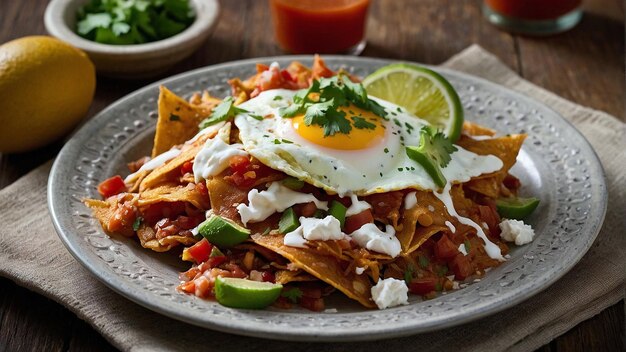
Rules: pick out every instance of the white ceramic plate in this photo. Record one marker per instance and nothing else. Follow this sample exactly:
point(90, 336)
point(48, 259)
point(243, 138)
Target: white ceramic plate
point(556, 164)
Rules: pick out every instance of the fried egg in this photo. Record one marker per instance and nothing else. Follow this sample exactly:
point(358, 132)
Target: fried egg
point(363, 161)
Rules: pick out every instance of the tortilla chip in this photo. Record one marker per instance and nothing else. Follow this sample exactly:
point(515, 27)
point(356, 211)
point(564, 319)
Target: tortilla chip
point(104, 210)
point(170, 171)
point(173, 193)
point(421, 215)
point(286, 276)
point(178, 121)
point(147, 239)
point(325, 268)
point(474, 129)
point(506, 148)
point(422, 234)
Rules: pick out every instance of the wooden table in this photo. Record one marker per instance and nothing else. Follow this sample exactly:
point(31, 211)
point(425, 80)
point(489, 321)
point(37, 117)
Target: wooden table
point(585, 65)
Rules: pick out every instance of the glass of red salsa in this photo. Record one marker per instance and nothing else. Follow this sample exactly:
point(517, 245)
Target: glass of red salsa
point(536, 17)
point(320, 26)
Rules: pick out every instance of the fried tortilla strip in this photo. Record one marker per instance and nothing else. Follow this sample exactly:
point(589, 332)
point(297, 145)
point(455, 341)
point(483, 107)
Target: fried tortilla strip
point(104, 210)
point(325, 268)
point(148, 239)
point(428, 211)
point(422, 234)
point(173, 193)
point(474, 129)
point(178, 121)
point(506, 148)
point(170, 171)
point(286, 276)
point(225, 197)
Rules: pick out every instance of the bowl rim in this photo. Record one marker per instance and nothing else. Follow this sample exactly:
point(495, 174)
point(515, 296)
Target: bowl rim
point(54, 19)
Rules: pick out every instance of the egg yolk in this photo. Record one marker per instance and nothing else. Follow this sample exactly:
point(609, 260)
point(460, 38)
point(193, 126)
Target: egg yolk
point(357, 138)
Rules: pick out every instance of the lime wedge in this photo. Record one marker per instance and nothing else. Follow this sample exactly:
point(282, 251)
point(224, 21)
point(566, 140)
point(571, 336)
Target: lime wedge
point(222, 231)
point(516, 208)
point(246, 294)
point(423, 92)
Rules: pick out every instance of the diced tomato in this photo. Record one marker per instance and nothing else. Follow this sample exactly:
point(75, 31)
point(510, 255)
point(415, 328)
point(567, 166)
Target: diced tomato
point(511, 182)
point(188, 287)
point(239, 163)
point(314, 304)
point(200, 251)
point(217, 260)
point(422, 286)
point(308, 209)
point(461, 266)
point(122, 220)
point(445, 248)
point(311, 291)
point(158, 211)
point(287, 76)
point(355, 222)
point(489, 214)
point(112, 186)
point(268, 276)
point(201, 188)
point(186, 168)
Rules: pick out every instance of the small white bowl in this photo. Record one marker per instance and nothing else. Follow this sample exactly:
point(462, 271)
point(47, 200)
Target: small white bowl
point(132, 61)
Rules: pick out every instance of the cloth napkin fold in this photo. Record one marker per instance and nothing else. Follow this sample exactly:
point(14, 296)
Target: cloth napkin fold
point(33, 256)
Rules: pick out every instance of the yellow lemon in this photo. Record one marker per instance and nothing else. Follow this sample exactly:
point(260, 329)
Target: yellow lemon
point(46, 87)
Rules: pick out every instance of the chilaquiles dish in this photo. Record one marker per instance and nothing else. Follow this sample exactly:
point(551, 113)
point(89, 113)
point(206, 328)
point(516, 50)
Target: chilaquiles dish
point(304, 183)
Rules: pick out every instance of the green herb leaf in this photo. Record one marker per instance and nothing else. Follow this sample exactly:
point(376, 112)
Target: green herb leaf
point(93, 21)
point(223, 112)
point(433, 153)
point(293, 294)
point(423, 261)
point(408, 274)
point(137, 223)
point(362, 123)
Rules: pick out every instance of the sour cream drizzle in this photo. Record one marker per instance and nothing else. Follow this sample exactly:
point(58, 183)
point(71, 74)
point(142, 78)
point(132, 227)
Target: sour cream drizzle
point(154, 163)
point(491, 248)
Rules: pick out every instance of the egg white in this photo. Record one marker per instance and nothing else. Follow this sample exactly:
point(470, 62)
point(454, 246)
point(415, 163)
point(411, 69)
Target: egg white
point(380, 168)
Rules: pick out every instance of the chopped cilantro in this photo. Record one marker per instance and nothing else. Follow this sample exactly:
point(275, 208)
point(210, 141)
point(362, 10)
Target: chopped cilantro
point(466, 243)
point(433, 153)
point(361, 123)
point(137, 223)
point(174, 117)
point(293, 294)
point(386, 150)
point(125, 22)
point(286, 141)
point(278, 97)
point(276, 141)
point(223, 112)
point(256, 117)
point(423, 261)
point(321, 101)
point(408, 274)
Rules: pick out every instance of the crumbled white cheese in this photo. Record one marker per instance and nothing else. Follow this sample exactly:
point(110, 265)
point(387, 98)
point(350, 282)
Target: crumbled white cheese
point(314, 229)
point(153, 164)
point(359, 270)
point(357, 206)
point(276, 198)
point(516, 231)
point(410, 200)
point(372, 238)
point(390, 293)
point(431, 208)
point(462, 249)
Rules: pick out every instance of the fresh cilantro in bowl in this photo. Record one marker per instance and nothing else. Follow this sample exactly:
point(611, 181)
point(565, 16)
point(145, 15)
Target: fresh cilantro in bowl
point(125, 22)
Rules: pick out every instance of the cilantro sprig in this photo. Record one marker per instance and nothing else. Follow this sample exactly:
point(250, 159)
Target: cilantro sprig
point(125, 22)
point(433, 153)
point(293, 294)
point(223, 112)
point(320, 105)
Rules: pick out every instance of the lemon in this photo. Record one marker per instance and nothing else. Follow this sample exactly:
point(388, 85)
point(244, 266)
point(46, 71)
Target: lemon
point(46, 87)
point(423, 92)
point(246, 294)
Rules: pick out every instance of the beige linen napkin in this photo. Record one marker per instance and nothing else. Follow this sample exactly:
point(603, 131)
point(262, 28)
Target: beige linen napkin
point(32, 255)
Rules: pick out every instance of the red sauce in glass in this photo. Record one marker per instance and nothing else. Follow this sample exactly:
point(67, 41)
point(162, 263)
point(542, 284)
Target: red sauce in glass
point(319, 26)
point(533, 9)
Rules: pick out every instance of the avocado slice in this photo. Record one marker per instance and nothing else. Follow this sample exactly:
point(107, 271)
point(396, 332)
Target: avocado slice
point(223, 232)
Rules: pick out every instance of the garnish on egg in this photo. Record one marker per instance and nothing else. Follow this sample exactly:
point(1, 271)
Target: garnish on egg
point(321, 102)
point(433, 153)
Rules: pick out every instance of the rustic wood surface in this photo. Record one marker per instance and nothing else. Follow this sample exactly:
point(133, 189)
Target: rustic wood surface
point(585, 65)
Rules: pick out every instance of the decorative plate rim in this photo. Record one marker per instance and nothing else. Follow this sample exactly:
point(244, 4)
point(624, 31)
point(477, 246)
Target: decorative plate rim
point(258, 325)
